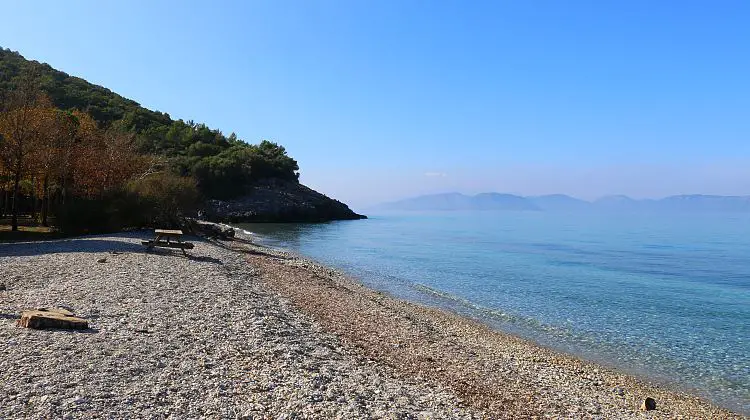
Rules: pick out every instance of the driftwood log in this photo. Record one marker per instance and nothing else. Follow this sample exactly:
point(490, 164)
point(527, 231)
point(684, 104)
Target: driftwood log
point(51, 318)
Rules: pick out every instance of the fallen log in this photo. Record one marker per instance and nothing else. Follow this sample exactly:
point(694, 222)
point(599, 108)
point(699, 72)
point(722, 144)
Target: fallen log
point(51, 318)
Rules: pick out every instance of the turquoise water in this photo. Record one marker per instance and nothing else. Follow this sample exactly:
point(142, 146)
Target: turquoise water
point(663, 296)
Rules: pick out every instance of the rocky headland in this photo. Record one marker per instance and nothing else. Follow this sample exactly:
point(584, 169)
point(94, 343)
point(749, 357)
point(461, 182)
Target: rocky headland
point(278, 200)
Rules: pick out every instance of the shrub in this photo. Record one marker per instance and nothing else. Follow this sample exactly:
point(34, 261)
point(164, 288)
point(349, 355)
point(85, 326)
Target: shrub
point(164, 198)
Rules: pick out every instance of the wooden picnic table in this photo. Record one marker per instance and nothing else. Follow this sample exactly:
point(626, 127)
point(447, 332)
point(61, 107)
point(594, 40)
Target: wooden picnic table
point(166, 238)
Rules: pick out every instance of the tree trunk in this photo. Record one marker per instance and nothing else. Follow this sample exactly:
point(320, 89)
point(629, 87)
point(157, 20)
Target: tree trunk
point(33, 199)
point(45, 201)
point(64, 192)
point(15, 209)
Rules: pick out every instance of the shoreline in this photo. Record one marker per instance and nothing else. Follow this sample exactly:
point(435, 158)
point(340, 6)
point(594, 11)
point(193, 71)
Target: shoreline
point(598, 380)
point(425, 296)
point(263, 332)
point(607, 360)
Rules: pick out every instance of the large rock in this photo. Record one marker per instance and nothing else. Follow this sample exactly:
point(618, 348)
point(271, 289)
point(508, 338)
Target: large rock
point(51, 318)
point(276, 200)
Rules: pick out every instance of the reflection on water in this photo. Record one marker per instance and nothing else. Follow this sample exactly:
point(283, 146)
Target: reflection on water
point(284, 234)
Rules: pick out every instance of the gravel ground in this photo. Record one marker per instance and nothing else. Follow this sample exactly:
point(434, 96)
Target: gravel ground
point(239, 330)
point(179, 337)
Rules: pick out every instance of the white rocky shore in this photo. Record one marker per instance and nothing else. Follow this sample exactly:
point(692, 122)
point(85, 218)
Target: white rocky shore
point(178, 337)
point(239, 331)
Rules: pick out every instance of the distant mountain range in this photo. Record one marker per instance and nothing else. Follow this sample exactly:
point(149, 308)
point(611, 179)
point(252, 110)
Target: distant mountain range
point(565, 203)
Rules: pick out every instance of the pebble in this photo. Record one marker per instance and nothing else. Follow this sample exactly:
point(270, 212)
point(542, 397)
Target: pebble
point(495, 374)
point(210, 335)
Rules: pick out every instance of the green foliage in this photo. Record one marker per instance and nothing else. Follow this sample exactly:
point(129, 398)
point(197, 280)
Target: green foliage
point(270, 160)
point(202, 150)
point(220, 175)
point(163, 198)
point(223, 174)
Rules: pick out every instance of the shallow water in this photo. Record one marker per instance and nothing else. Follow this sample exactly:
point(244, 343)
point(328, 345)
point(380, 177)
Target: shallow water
point(662, 296)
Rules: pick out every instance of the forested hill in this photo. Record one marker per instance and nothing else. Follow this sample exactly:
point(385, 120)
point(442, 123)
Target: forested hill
point(70, 92)
point(219, 163)
point(220, 167)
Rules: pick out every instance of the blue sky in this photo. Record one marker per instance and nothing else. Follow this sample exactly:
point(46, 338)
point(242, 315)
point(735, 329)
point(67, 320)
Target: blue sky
point(379, 100)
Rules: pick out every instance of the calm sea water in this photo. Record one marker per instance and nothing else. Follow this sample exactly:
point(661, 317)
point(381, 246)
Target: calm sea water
point(667, 297)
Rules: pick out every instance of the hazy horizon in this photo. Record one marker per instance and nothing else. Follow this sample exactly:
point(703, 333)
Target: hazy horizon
point(382, 101)
point(561, 194)
point(638, 182)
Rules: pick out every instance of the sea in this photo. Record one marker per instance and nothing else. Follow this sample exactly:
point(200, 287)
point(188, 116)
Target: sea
point(664, 297)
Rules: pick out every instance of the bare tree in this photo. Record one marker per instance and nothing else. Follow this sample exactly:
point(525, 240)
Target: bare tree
point(50, 157)
point(19, 120)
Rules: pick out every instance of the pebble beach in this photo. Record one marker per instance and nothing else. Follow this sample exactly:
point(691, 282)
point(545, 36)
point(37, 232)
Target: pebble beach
point(237, 330)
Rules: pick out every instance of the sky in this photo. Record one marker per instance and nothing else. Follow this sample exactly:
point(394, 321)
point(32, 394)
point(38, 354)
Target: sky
point(381, 100)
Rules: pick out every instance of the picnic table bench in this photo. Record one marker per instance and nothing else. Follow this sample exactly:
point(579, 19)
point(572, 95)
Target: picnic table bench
point(164, 238)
